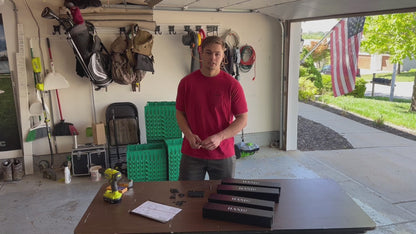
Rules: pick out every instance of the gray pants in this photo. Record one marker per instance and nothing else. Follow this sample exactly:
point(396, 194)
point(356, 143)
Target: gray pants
point(195, 169)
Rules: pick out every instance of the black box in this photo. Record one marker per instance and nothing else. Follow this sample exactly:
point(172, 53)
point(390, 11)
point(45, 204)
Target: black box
point(270, 194)
point(238, 214)
point(241, 201)
point(80, 163)
point(98, 158)
point(86, 156)
point(256, 183)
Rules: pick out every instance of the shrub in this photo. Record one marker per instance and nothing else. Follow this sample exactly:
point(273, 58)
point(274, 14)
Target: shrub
point(307, 89)
point(308, 70)
point(327, 84)
point(360, 88)
point(302, 71)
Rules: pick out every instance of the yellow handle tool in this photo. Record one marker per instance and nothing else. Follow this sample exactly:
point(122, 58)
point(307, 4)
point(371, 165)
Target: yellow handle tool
point(37, 69)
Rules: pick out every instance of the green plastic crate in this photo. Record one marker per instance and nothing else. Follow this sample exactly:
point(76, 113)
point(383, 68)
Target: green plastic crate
point(174, 147)
point(160, 119)
point(147, 162)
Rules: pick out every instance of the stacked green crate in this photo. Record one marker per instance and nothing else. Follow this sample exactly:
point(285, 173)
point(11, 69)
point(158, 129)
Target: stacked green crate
point(161, 124)
point(147, 162)
point(173, 147)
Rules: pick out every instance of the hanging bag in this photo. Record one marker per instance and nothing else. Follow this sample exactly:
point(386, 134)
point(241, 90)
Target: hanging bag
point(122, 72)
point(139, 52)
point(144, 63)
point(95, 57)
point(100, 64)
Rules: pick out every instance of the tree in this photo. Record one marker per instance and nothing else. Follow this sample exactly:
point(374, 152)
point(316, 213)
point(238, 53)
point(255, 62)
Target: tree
point(309, 71)
point(320, 53)
point(394, 34)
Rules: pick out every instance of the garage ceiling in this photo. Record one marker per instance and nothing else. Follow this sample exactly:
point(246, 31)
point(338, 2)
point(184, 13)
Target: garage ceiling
point(295, 10)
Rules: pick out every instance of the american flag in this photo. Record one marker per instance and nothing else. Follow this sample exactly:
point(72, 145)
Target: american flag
point(345, 45)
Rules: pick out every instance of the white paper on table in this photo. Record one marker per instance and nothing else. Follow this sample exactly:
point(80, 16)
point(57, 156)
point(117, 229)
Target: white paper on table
point(156, 211)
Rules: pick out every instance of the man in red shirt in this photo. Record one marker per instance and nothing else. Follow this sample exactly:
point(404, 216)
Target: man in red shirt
point(210, 109)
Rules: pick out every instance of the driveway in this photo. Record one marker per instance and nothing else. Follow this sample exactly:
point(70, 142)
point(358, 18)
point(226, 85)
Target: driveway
point(402, 90)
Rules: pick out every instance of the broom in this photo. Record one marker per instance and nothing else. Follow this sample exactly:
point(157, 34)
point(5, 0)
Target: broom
point(41, 130)
point(55, 81)
point(37, 132)
point(63, 128)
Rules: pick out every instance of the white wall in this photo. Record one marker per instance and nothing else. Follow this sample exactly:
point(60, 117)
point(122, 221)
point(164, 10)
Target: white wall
point(172, 62)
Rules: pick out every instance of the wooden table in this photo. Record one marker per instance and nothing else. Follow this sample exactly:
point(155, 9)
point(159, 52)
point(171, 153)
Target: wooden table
point(306, 205)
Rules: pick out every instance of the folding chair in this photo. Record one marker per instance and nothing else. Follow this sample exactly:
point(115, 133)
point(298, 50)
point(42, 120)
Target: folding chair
point(123, 129)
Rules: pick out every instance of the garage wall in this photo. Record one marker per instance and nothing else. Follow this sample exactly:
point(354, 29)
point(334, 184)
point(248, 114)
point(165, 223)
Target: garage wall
point(172, 62)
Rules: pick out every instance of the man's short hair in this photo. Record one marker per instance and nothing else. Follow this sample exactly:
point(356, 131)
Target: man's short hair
point(212, 40)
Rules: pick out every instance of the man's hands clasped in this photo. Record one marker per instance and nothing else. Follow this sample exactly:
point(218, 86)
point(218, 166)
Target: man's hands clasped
point(210, 143)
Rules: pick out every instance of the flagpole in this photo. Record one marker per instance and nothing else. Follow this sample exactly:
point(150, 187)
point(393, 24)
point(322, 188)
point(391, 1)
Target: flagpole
point(316, 46)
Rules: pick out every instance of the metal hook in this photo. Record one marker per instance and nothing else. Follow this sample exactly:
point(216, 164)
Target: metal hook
point(172, 29)
point(212, 29)
point(56, 29)
point(157, 30)
point(122, 30)
point(197, 28)
point(187, 28)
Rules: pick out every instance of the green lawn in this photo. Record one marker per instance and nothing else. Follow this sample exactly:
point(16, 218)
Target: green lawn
point(378, 109)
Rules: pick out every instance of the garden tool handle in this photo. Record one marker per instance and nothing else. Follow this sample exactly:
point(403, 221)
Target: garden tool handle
point(50, 54)
point(59, 104)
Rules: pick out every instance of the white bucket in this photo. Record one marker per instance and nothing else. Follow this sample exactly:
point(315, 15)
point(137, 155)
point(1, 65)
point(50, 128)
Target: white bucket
point(95, 174)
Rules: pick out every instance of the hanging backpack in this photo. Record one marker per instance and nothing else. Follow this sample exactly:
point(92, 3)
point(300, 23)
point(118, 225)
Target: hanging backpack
point(122, 72)
point(139, 52)
point(132, 57)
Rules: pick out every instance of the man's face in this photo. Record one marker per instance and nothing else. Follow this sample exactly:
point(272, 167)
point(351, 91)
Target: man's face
point(212, 56)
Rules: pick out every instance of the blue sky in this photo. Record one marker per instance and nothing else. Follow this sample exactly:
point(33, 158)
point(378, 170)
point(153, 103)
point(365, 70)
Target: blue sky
point(318, 25)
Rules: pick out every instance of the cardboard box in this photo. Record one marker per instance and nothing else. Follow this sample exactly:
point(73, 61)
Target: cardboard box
point(241, 201)
point(238, 214)
point(270, 194)
point(98, 134)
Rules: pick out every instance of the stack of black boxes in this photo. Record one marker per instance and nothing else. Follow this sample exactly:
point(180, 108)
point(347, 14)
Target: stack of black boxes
point(243, 201)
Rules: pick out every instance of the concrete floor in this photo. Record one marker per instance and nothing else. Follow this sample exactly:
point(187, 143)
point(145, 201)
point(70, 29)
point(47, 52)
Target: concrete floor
point(378, 174)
